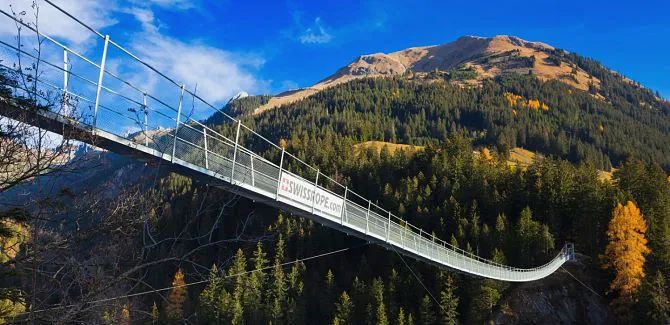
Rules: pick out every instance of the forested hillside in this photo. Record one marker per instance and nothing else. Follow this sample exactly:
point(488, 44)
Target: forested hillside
point(502, 113)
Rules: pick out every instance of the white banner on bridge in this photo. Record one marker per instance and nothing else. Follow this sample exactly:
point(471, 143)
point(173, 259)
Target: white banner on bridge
point(301, 191)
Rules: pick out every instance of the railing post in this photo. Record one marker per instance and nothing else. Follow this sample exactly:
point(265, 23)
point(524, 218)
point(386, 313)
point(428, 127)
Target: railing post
point(237, 140)
point(64, 107)
point(204, 134)
point(344, 206)
point(281, 164)
point(102, 73)
point(176, 128)
point(316, 185)
point(146, 122)
point(388, 230)
point(251, 162)
point(402, 238)
point(367, 218)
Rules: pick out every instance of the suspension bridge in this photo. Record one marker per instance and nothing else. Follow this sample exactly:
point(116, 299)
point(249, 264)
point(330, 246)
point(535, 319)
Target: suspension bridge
point(101, 106)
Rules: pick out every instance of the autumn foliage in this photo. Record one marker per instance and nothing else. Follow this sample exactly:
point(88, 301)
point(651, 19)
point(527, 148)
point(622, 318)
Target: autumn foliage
point(175, 304)
point(625, 252)
point(516, 100)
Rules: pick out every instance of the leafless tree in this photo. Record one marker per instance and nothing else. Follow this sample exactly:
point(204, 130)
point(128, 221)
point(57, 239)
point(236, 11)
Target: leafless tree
point(80, 249)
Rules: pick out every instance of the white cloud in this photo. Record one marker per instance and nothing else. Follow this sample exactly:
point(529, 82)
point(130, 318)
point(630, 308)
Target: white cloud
point(315, 34)
point(143, 15)
point(173, 4)
point(98, 14)
point(218, 74)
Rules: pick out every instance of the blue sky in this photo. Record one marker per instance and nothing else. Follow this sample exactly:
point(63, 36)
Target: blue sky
point(271, 46)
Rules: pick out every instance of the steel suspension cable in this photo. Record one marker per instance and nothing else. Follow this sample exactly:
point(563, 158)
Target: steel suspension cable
point(418, 279)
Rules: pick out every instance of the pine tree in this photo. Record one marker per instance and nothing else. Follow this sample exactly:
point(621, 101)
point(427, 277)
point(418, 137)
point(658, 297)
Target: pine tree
point(237, 271)
point(174, 310)
point(453, 241)
point(253, 298)
point(498, 257)
point(326, 299)
point(500, 231)
point(378, 299)
point(278, 287)
point(393, 283)
point(359, 300)
point(214, 299)
point(294, 311)
point(449, 302)
point(625, 254)
point(532, 237)
point(401, 317)
point(654, 301)
point(154, 314)
point(527, 230)
point(486, 296)
point(343, 310)
point(426, 313)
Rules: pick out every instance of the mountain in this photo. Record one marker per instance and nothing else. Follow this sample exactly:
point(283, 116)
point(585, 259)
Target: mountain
point(468, 60)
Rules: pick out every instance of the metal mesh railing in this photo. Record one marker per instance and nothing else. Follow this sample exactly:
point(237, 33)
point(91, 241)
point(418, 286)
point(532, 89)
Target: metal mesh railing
point(164, 123)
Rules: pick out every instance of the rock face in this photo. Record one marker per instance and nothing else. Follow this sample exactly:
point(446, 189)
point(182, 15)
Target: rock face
point(558, 299)
point(487, 56)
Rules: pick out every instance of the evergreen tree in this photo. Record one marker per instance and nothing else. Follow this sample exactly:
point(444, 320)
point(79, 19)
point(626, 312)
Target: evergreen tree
point(655, 301)
point(237, 271)
point(359, 300)
point(154, 315)
point(410, 319)
point(426, 313)
point(449, 303)
point(278, 287)
point(254, 298)
point(380, 316)
point(393, 283)
point(401, 317)
point(295, 303)
point(213, 299)
point(485, 297)
point(343, 310)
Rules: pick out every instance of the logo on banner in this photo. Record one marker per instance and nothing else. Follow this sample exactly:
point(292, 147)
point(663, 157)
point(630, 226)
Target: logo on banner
point(302, 191)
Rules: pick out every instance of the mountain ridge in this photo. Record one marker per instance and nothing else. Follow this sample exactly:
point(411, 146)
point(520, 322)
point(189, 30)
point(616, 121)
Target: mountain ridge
point(473, 58)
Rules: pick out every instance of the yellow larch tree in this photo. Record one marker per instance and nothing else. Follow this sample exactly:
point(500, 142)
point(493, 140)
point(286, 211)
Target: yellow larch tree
point(625, 253)
point(175, 303)
point(533, 104)
point(486, 154)
point(511, 98)
point(124, 319)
